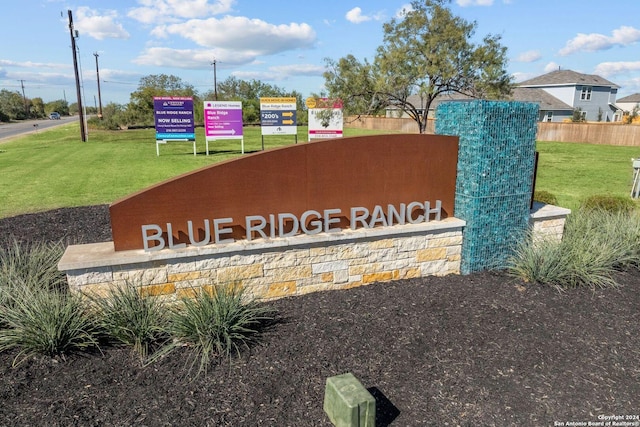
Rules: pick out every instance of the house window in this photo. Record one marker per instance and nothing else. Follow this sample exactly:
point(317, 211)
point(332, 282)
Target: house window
point(548, 117)
point(583, 116)
point(586, 93)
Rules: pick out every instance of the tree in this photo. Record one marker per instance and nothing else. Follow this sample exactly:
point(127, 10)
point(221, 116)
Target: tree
point(140, 108)
point(60, 105)
point(426, 52)
point(12, 105)
point(632, 115)
point(37, 108)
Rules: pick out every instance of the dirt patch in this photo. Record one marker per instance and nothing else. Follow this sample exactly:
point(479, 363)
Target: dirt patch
point(481, 349)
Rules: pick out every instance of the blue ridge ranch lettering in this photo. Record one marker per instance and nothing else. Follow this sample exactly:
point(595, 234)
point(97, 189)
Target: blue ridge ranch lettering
point(286, 224)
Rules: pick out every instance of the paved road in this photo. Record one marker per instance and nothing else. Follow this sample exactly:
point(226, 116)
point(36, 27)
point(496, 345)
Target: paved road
point(12, 130)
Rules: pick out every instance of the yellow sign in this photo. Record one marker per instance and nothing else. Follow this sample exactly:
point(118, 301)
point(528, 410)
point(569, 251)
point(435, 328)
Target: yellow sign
point(311, 102)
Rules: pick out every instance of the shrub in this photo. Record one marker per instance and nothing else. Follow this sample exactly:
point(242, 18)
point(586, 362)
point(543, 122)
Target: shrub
point(34, 265)
point(128, 318)
point(594, 245)
point(37, 314)
point(48, 322)
point(608, 203)
point(218, 323)
point(545, 197)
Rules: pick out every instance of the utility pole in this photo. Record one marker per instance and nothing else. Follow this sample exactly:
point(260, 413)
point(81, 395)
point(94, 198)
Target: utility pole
point(73, 33)
point(99, 96)
point(24, 98)
point(215, 83)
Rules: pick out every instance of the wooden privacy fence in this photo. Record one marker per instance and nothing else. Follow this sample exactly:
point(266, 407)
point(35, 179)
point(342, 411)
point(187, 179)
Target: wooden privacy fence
point(593, 133)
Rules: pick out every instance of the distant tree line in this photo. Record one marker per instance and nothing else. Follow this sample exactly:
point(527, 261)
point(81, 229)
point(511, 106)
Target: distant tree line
point(13, 106)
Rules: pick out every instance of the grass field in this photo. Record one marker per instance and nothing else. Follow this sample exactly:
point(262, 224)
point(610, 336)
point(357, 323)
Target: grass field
point(53, 169)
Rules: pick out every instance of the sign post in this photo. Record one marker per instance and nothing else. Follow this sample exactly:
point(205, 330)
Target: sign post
point(174, 120)
point(223, 120)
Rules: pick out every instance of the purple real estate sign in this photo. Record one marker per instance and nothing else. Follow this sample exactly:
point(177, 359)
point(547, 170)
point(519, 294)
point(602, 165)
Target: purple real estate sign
point(223, 120)
point(174, 118)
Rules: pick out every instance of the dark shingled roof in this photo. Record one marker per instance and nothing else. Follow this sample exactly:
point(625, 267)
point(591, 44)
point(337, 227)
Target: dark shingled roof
point(546, 101)
point(631, 98)
point(567, 77)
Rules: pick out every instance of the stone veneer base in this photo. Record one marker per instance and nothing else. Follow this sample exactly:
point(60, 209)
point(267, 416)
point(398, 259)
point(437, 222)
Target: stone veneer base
point(275, 268)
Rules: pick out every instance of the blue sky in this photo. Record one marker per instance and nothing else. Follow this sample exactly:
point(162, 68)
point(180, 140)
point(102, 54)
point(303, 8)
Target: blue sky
point(285, 42)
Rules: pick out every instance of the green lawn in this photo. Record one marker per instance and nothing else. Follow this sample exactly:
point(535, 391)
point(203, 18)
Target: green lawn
point(573, 171)
point(53, 169)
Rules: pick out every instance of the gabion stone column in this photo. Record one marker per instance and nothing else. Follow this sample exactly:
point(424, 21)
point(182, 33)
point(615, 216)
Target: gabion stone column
point(495, 175)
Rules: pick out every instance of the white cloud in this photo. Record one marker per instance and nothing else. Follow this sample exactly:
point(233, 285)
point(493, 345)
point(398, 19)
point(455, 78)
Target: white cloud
point(355, 16)
point(192, 58)
point(29, 64)
point(593, 42)
point(160, 11)
point(529, 56)
point(245, 36)
point(403, 10)
point(99, 25)
point(616, 68)
point(551, 66)
point(257, 75)
point(281, 72)
point(465, 3)
point(630, 86)
point(520, 77)
point(299, 69)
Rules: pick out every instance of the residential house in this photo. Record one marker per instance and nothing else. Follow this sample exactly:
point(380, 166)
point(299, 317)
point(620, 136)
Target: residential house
point(628, 103)
point(558, 93)
point(593, 96)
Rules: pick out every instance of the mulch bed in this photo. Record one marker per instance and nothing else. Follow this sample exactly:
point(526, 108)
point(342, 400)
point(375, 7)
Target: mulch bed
point(478, 350)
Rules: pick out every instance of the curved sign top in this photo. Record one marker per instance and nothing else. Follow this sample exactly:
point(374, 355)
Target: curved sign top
point(323, 186)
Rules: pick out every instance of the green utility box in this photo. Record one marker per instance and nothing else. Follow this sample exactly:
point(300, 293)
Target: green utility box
point(348, 403)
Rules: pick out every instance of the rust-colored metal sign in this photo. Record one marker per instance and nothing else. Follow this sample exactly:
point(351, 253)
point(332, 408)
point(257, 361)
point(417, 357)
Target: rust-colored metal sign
point(308, 188)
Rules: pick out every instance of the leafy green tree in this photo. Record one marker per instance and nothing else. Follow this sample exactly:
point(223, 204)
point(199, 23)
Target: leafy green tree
point(141, 100)
point(59, 105)
point(426, 52)
point(37, 109)
point(12, 105)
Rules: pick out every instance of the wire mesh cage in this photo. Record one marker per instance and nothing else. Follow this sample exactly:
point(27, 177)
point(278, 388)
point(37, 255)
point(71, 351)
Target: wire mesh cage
point(496, 161)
